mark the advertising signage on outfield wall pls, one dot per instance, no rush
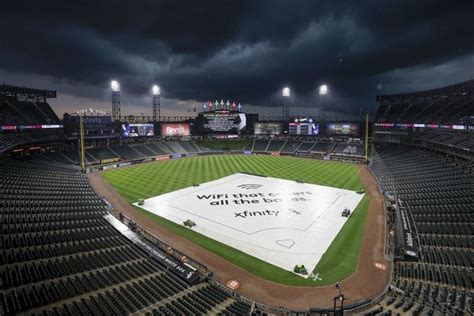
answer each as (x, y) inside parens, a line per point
(109, 160)
(175, 130)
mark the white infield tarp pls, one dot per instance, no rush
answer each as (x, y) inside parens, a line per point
(279, 221)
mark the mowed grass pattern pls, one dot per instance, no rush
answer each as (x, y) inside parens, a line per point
(152, 179)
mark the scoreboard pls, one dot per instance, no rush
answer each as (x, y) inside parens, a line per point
(221, 122)
(303, 128)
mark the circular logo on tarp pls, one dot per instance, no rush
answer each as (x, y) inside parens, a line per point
(250, 186)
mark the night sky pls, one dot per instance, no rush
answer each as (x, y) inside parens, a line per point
(245, 51)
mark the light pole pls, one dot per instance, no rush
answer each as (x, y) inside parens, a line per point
(156, 92)
(286, 93)
(115, 86)
(322, 92)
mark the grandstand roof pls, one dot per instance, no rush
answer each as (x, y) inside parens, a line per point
(462, 88)
(28, 93)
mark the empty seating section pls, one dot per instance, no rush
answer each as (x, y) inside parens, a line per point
(61, 158)
(440, 197)
(127, 152)
(276, 145)
(449, 105)
(290, 147)
(349, 149)
(305, 146)
(14, 112)
(5, 143)
(237, 308)
(175, 147)
(156, 149)
(8, 114)
(71, 155)
(59, 256)
(29, 112)
(457, 140)
(322, 147)
(204, 300)
(248, 146)
(101, 153)
(260, 145)
(164, 148)
(144, 150)
(295, 146)
(131, 151)
(51, 159)
(189, 146)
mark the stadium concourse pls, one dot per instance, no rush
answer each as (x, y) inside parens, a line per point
(64, 253)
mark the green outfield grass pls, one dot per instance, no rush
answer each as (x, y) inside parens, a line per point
(148, 180)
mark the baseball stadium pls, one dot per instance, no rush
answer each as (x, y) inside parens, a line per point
(247, 224)
(229, 209)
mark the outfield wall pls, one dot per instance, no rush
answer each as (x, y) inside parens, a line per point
(344, 158)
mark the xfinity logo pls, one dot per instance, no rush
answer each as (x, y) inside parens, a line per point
(409, 240)
(257, 213)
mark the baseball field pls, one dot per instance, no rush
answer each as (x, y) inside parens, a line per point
(154, 179)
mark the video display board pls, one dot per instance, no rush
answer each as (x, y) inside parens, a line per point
(351, 129)
(267, 128)
(28, 127)
(136, 130)
(221, 122)
(175, 130)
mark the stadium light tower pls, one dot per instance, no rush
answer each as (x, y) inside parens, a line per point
(323, 89)
(156, 92)
(286, 93)
(115, 86)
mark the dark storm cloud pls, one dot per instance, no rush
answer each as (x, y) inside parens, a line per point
(245, 50)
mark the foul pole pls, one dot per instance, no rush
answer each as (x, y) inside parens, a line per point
(366, 137)
(81, 135)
